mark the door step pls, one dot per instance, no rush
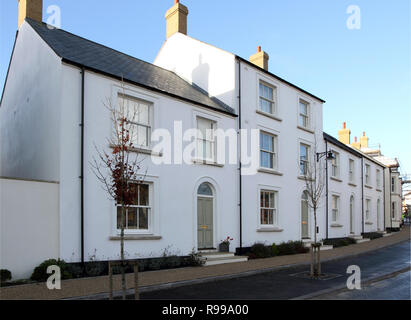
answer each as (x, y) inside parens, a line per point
(356, 237)
(362, 240)
(214, 258)
(307, 244)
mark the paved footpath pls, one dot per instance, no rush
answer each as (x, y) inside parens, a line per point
(154, 280)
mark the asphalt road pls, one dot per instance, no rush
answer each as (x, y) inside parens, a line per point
(283, 284)
(396, 287)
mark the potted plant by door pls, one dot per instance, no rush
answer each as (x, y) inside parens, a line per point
(225, 245)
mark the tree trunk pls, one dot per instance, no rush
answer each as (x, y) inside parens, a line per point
(123, 273)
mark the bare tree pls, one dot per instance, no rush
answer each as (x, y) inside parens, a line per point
(314, 185)
(118, 170)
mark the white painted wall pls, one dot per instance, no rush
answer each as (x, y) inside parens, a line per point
(197, 62)
(29, 225)
(30, 113)
(289, 136)
(174, 186)
(343, 188)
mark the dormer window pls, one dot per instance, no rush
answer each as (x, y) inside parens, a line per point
(267, 98)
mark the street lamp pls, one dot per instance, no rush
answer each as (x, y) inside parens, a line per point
(328, 154)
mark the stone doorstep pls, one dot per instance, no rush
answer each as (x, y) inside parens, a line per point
(356, 237)
(216, 255)
(233, 259)
(362, 240)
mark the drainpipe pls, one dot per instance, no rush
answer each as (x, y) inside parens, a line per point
(326, 192)
(82, 164)
(391, 199)
(362, 193)
(240, 163)
(383, 188)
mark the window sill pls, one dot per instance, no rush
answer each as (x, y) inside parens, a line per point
(335, 179)
(207, 162)
(367, 186)
(352, 184)
(270, 229)
(368, 222)
(143, 151)
(269, 115)
(305, 129)
(270, 171)
(336, 225)
(136, 237)
(304, 178)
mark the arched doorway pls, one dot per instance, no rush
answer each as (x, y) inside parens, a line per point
(205, 214)
(305, 225)
(352, 226)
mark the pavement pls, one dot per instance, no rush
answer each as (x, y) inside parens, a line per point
(97, 288)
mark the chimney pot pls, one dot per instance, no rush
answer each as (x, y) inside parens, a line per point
(259, 49)
(344, 125)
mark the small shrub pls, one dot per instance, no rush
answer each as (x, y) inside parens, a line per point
(339, 242)
(372, 235)
(259, 250)
(274, 250)
(95, 269)
(5, 275)
(40, 272)
(195, 260)
(291, 247)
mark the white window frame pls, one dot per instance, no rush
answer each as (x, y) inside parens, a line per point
(150, 218)
(335, 165)
(305, 118)
(147, 126)
(212, 141)
(351, 170)
(367, 174)
(307, 161)
(335, 208)
(274, 153)
(378, 178)
(273, 102)
(275, 217)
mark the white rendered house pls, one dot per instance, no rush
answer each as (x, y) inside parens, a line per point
(52, 115)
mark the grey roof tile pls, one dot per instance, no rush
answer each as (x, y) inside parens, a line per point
(97, 57)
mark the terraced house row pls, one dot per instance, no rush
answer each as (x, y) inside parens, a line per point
(52, 115)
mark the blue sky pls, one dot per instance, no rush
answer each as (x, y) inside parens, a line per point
(364, 75)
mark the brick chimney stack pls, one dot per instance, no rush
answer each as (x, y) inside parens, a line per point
(32, 9)
(176, 18)
(260, 59)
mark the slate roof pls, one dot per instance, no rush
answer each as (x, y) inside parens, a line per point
(350, 149)
(82, 52)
